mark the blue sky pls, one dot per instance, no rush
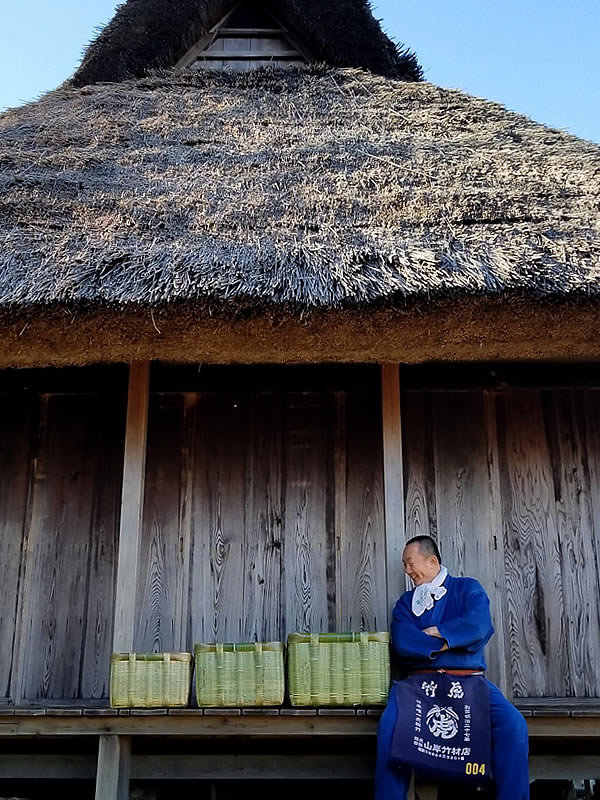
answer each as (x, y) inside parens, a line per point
(539, 57)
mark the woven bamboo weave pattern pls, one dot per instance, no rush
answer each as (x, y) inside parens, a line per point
(338, 669)
(155, 680)
(238, 675)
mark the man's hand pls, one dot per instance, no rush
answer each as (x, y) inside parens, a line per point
(433, 631)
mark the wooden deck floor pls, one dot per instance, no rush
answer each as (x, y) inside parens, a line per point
(548, 719)
(192, 744)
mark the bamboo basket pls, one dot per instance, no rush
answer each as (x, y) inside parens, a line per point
(239, 675)
(154, 680)
(339, 669)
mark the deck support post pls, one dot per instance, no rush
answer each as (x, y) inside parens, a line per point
(393, 479)
(114, 768)
(132, 506)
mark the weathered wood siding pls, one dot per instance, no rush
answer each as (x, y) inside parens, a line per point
(261, 51)
(264, 513)
(243, 520)
(508, 484)
(59, 498)
(548, 444)
(17, 416)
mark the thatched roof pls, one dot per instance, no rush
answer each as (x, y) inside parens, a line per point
(147, 35)
(291, 189)
(475, 329)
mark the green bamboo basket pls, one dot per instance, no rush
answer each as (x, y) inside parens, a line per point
(339, 669)
(150, 680)
(239, 675)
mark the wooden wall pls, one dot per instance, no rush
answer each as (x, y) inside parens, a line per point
(264, 513)
(60, 475)
(508, 482)
(263, 516)
(549, 448)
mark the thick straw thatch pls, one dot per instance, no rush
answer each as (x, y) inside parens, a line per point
(148, 35)
(297, 190)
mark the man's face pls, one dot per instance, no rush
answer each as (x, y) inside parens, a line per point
(419, 567)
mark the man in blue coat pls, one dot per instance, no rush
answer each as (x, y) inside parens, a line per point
(461, 610)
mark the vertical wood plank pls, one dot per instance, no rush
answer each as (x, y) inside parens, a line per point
(27, 598)
(576, 539)
(67, 614)
(591, 412)
(219, 512)
(305, 520)
(183, 610)
(99, 614)
(340, 500)
(217, 46)
(18, 414)
(364, 555)
(418, 467)
(417, 426)
(236, 44)
(535, 595)
(261, 610)
(114, 767)
(500, 656)
(132, 500)
(393, 480)
(159, 621)
(59, 541)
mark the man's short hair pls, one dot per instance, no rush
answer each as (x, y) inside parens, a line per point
(427, 546)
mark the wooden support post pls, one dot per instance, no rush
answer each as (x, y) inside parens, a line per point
(501, 642)
(132, 504)
(114, 768)
(341, 501)
(393, 479)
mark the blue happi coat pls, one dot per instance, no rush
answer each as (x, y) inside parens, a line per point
(463, 619)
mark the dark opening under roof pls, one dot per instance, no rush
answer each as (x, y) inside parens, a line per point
(146, 35)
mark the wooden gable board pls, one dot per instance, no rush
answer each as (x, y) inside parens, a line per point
(246, 37)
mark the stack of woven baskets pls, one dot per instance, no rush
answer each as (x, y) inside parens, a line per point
(327, 669)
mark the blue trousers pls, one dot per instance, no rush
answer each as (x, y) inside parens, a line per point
(510, 746)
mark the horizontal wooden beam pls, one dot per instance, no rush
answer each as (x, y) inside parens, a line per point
(564, 767)
(247, 55)
(193, 767)
(254, 767)
(21, 766)
(558, 706)
(251, 32)
(223, 724)
(189, 725)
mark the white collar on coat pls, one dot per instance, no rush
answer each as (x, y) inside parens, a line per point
(426, 594)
